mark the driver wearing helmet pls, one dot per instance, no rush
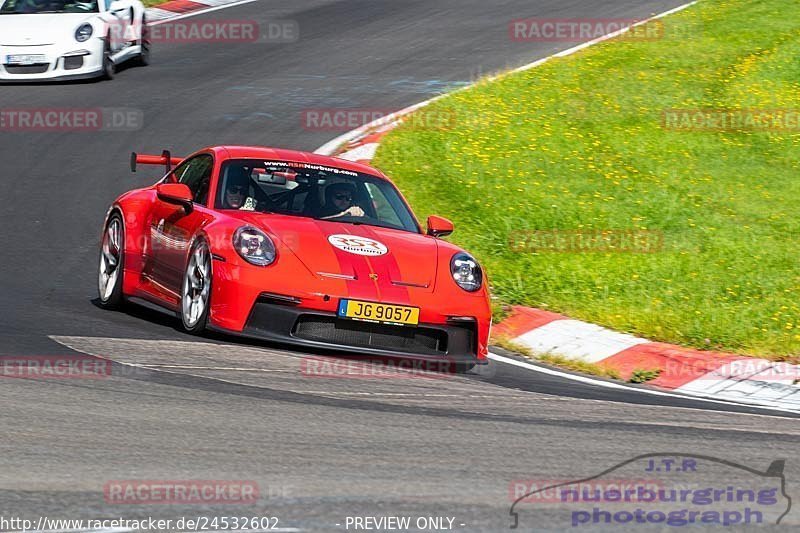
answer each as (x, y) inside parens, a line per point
(339, 201)
(237, 189)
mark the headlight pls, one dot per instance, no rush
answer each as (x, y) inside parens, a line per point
(83, 32)
(466, 272)
(254, 246)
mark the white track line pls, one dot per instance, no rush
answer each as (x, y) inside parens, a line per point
(618, 386)
(219, 368)
(330, 147)
(698, 397)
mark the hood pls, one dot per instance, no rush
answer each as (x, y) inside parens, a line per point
(358, 253)
(44, 29)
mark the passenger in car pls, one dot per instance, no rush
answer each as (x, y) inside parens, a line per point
(237, 190)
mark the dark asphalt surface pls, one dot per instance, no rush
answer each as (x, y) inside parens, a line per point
(320, 449)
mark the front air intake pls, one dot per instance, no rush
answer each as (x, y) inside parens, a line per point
(423, 341)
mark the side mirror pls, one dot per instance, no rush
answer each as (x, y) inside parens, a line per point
(439, 227)
(116, 5)
(175, 193)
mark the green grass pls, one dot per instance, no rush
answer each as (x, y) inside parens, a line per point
(643, 376)
(578, 144)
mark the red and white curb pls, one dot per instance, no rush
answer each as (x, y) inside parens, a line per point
(706, 374)
(723, 376)
(184, 8)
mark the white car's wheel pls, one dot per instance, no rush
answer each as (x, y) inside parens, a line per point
(112, 258)
(144, 43)
(196, 289)
(109, 68)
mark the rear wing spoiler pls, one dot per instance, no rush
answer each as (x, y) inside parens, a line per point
(165, 159)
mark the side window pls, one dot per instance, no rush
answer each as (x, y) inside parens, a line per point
(177, 172)
(196, 173)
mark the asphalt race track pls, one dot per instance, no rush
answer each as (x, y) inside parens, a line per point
(320, 449)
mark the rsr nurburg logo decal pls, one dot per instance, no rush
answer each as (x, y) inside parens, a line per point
(358, 245)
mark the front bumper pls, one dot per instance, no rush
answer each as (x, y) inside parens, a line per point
(81, 61)
(454, 344)
(281, 304)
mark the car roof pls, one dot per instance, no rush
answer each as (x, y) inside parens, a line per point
(282, 154)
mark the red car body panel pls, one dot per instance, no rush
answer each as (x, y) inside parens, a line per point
(308, 269)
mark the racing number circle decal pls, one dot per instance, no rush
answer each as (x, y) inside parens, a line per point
(358, 245)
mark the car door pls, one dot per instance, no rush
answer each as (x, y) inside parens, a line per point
(172, 228)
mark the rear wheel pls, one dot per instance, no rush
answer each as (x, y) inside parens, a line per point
(112, 257)
(196, 289)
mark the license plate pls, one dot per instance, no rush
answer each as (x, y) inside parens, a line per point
(375, 312)
(25, 59)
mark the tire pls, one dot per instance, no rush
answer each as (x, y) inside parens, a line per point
(109, 68)
(112, 264)
(143, 59)
(196, 289)
(463, 368)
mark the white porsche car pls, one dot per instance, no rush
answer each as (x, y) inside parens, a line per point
(70, 39)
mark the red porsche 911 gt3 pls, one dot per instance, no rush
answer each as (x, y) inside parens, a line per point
(296, 248)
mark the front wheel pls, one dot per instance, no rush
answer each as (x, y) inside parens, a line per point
(463, 368)
(109, 68)
(144, 42)
(196, 289)
(112, 257)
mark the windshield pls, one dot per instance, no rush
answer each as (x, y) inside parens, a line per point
(48, 6)
(314, 191)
